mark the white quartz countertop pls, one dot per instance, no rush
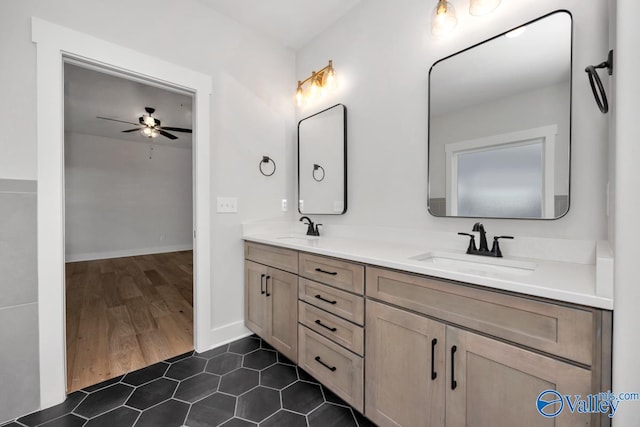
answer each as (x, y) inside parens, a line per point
(561, 281)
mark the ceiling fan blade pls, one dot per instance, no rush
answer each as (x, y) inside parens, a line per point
(131, 130)
(176, 129)
(167, 134)
(115, 120)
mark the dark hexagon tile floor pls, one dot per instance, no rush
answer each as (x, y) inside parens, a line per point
(242, 384)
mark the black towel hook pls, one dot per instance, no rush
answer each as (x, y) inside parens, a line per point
(594, 80)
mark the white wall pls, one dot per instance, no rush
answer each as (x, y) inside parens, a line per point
(121, 202)
(626, 341)
(382, 52)
(528, 110)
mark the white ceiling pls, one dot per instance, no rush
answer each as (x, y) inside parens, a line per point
(90, 94)
(291, 22)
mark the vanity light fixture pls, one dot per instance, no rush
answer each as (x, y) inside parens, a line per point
(319, 81)
(482, 7)
(443, 18)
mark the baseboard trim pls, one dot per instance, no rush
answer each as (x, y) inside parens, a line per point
(91, 256)
(226, 334)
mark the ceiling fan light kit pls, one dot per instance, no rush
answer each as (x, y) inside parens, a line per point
(150, 126)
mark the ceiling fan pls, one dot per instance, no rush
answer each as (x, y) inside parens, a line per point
(149, 126)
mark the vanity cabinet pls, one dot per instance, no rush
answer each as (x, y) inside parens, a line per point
(271, 300)
(413, 350)
(423, 372)
(426, 367)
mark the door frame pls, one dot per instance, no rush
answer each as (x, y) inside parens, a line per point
(54, 44)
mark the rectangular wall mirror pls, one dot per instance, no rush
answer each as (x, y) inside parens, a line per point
(500, 125)
(322, 162)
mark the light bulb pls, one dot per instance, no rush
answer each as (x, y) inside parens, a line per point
(149, 121)
(330, 77)
(146, 132)
(315, 88)
(482, 7)
(299, 95)
(154, 133)
(443, 19)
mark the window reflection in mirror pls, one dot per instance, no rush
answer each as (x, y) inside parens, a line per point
(500, 125)
(322, 167)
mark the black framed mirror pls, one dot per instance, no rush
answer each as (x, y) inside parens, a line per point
(500, 125)
(322, 162)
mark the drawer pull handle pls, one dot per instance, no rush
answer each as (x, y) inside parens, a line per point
(331, 368)
(333, 273)
(326, 300)
(325, 326)
(434, 374)
(454, 383)
(266, 285)
(262, 276)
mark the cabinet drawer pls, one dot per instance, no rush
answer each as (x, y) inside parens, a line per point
(338, 369)
(564, 331)
(333, 327)
(340, 303)
(284, 259)
(341, 274)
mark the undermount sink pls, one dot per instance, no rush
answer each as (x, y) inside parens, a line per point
(296, 238)
(476, 263)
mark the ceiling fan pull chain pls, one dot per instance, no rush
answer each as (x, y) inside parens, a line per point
(150, 151)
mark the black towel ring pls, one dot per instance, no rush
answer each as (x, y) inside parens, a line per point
(266, 159)
(594, 80)
(317, 167)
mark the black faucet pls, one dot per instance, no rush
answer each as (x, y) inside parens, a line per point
(477, 227)
(484, 248)
(311, 229)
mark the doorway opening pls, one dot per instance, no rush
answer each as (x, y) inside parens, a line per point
(128, 224)
(56, 44)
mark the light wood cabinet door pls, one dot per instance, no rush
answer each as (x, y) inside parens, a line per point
(498, 384)
(255, 303)
(282, 306)
(405, 368)
(271, 306)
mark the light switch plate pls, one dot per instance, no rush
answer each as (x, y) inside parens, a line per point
(227, 204)
(284, 205)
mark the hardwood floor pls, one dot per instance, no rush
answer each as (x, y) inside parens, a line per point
(126, 313)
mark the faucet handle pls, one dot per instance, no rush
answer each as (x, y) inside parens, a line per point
(495, 249)
(472, 242)
(318, 229)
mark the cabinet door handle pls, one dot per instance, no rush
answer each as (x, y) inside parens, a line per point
(325, 326)
(326, 300)
(262, 283)
(333, 273)
(266, 285)
(434, 374)
(454, 383)
(331, 368)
